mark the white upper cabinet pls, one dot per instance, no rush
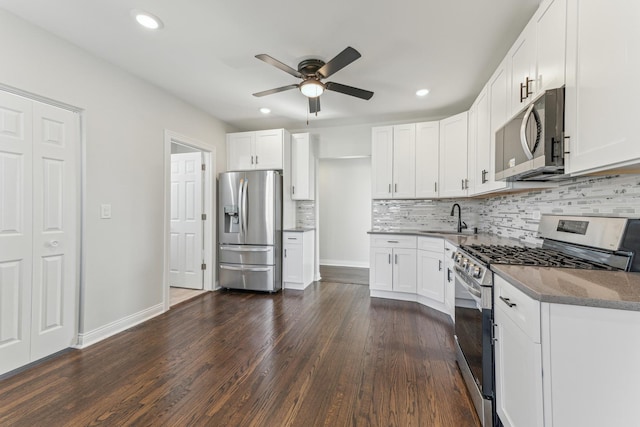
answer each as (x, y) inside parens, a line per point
(453, 156)
(537, 58)
(302, 167)
(240, 148)
(522, 76)
(551, 24)
(603, 59)
(393, 161)
(256, 150)
(427, 159)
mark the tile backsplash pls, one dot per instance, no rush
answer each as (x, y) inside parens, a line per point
(306, 214)
(512, 215)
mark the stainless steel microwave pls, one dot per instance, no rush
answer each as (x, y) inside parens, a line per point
(531, 146)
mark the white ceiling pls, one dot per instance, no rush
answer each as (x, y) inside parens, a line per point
(205, 53)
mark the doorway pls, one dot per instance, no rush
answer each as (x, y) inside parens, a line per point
(189, 192)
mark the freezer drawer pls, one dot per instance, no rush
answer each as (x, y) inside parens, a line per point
(253, 277)
(244, 254)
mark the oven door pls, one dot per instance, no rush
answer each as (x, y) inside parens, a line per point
(473, 328)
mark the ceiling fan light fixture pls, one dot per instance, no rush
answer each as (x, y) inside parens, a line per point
(311, 88)
(147, 20)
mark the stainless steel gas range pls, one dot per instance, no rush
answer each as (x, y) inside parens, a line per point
(596, 243)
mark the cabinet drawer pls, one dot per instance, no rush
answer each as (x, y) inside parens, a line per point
(291, 238)
(519, 307)
(393, 241)
(434, 244)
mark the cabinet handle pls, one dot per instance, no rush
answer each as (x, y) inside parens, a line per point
(389, 188)
(285, 253)
(293, 189)
(566, 145)
(396, 259)
(435, 187)
(389, 258)
(395, 188)
(484, 176)
(448, 275)
(522, 97)
(527, 90)
(439, 265)
(466, 184)
(251, 159)
(256, 159)
(462, 184)
(392, 241)
(508, 301)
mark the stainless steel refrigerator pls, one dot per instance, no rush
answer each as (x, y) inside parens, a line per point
(250, 230)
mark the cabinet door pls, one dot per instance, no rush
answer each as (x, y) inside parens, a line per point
(551, 31)
(240, 151)
(301, 170)
(269, 149)
(431, 275)
(453, 156)
(427, 159)
(499, 96)
(522, 60)
(381, 162)
(603, 59)
(404, 270)
(472, 147)
(449, 281)
(404, 161)
(518, 374)
(381, 269)
(292, 264)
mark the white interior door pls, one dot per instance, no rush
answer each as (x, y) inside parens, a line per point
(15, 230)
(38, 230)
(186, 221)
(53, 314)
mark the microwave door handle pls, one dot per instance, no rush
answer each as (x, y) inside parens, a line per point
(526, 147)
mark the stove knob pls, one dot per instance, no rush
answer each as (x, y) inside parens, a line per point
(465, 262)
(477, 272)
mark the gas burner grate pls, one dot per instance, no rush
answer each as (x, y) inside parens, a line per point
(539, 257)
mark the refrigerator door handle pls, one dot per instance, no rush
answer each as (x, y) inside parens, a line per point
(257, 269)
(240, 207)
(244, 205)
(243, 249)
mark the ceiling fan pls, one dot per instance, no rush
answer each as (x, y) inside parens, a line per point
(312, 71)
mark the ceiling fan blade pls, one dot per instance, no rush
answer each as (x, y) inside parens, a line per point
(314, 105)
(341, 60)
(276, 90)
(349, 90)
(284, 67)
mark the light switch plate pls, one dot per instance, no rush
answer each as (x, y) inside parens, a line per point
(105, 211)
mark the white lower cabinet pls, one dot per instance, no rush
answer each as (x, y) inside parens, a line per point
(298, 259)
(431, 269)
(518, 357)
(449, 279)
(412, 268)
(393, 263)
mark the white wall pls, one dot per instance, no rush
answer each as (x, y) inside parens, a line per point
(342, 141)
(124, 122)
(345, 211)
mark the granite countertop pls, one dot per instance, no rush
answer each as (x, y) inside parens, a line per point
(298, 229)
(464, 238)
(592, 288)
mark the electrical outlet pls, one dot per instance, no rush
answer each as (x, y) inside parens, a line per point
(105, 211)
(536, 214)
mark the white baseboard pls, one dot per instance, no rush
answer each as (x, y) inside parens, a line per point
(88, 338)
(400, 296)
(296, 285)
(343, 263)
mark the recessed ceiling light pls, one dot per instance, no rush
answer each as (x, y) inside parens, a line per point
(147, 20)
(265, 110)
(422, 92)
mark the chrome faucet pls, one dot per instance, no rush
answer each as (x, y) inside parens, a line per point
(461, 224)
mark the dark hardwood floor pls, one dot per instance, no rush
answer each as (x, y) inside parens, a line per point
(326, 356)
(354, 275)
